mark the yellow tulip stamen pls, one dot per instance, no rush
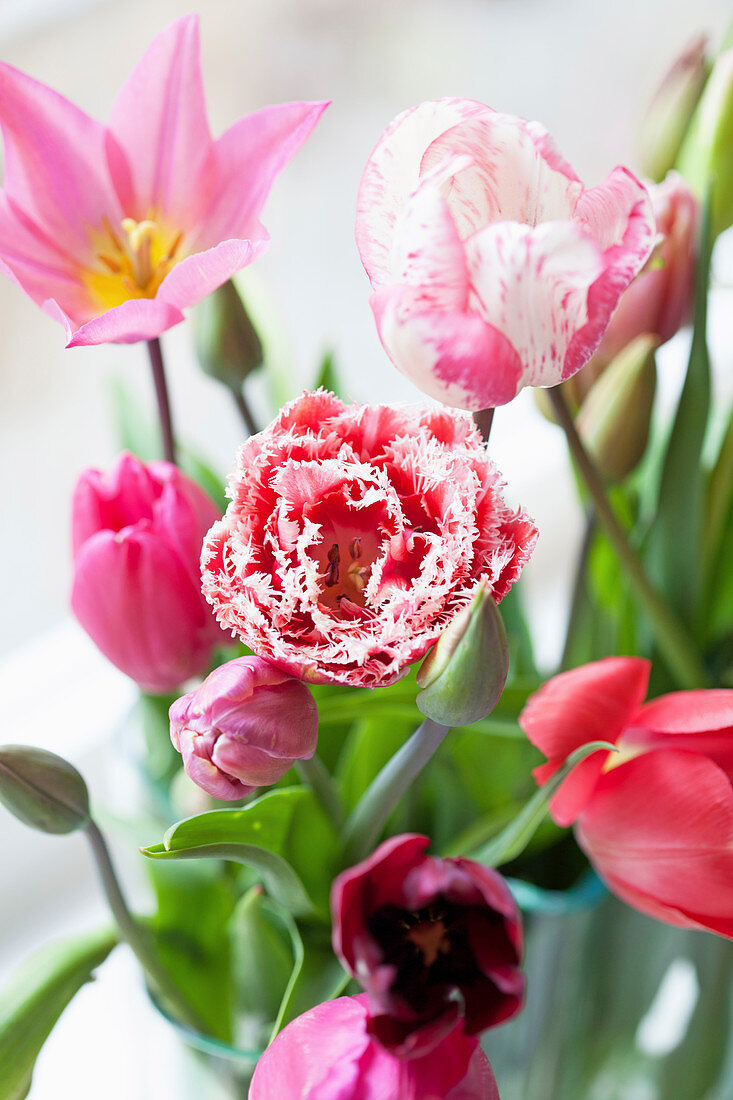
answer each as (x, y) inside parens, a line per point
(132, 259)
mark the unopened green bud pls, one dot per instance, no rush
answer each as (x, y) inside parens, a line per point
(227, 345)
(463, 675)
(614, 419)
(42, 790)
(668, 116)
(706, 157)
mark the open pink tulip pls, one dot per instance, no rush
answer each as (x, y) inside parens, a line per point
(655, 818)
(326, 1054)
(114, 230)
(137, 589)
(244, 727)
(493, 268)
(355, 534)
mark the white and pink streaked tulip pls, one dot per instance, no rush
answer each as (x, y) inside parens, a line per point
(114, 230)
(493, 267)
(356, 534)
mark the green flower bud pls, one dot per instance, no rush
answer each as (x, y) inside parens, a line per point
(668, 116)
(463, 675)
(706, 157)
(227, 345)
(42, 790)
(614, 418)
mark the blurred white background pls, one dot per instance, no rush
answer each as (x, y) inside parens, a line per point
(584, 68)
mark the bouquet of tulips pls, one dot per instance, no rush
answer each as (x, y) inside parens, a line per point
(363, 796)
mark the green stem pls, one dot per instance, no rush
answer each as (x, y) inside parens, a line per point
(161, 394)
(576, 601)
(673, 641)
(367, 820)
(244, 411)
(315, 775)
(136, 936)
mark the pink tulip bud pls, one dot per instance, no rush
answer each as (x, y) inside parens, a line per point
(137, 536)
(659, 301)
(244, 727)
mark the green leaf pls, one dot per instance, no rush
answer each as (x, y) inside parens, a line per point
(194, 907)
(675, 547)
(328, 375)
(716, 610)
(284, 835)
(512, 841)
(34, 998)
(265, 946)
(521, 652)
(371, 743)
(317, 976)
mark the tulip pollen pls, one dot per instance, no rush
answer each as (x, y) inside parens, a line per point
(346, 575)
(132, 259)
(431, 938)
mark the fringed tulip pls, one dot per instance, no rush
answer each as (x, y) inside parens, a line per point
(656, 817)
(137, 536)
(354, 536)
(430, 940)
(114, 230)
(244, 727)
(493, 268)
(327, 1054)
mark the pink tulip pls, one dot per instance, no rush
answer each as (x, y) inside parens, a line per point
(659, 301)
(430, 940)
(326, 1054)
(137, 590)
(655, 818)
(244, 727)
(493, 268)
(355, 535)
(114, 230)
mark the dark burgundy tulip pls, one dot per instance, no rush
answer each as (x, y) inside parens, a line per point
(429, 940)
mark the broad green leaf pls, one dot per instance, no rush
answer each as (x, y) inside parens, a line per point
(372, 742)
(194, 906)
(284, 835)
(265, 946)
(512, 841)
(317, 976)
(34, 998)
(675, 546)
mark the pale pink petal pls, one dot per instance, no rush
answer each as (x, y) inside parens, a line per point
(136, 319)
(454, 356)
(532, 285)
(662, 824)
(55, 162)
(393, 172)
(517, 173)
(198, 275)
(245, 161)
(159, 120)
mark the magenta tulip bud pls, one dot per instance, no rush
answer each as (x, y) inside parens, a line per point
(137, 586)
(244, 727)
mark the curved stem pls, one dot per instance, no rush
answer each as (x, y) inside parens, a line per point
(136, 936)
(364, 825)
(245, 412)
(578, 585)
(161, 394)
(483, 421)
(315, 775)
(672, 638)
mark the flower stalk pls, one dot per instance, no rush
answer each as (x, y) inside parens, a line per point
(161, 394)
(315, 775)
(672, 638)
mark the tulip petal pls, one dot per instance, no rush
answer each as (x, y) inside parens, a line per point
(159, 121)
(248, 157)
(136, 319)
(516, 173)
(56, 167)
(532, 284)
(428, 253)
(392, 173)
(661, 826)
(683, 712)
(454, 356)
(198, 275)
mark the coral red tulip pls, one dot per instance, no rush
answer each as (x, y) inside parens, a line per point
(355, 534)
(115, 230)
(655, 818)
(244, 727)
(493, 268)
(430, 940)
(137, 590)
(327, 1054)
